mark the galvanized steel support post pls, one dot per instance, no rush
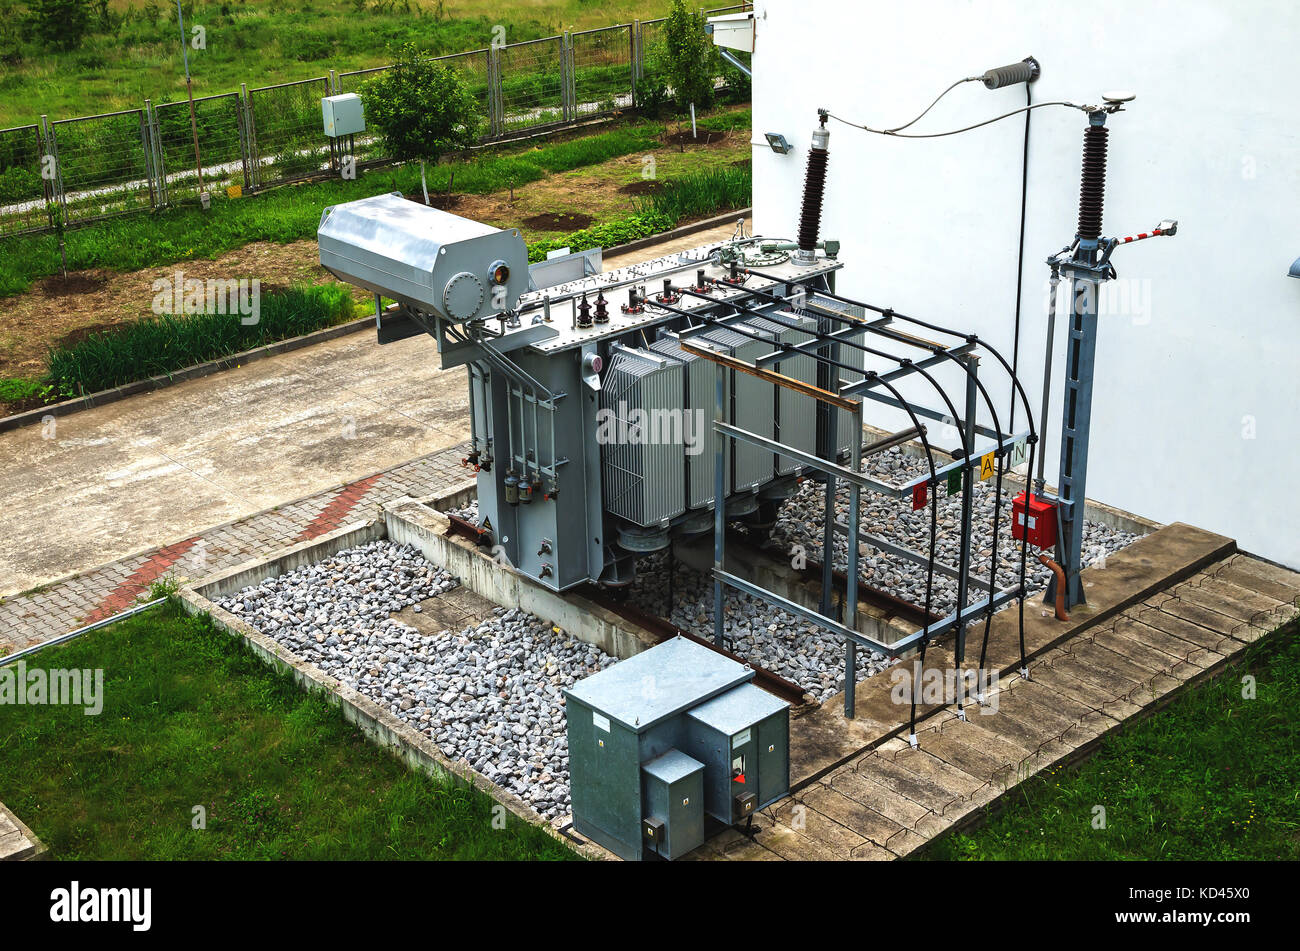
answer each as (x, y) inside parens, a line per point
(851, 586)
(972, 362)
(719, 502)
(1080, 362)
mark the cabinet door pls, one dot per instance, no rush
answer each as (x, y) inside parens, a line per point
(773, 759)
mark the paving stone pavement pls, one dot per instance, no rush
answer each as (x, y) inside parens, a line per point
(36, 616)
(891, 800)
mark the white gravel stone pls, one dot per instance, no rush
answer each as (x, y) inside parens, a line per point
(489, 695)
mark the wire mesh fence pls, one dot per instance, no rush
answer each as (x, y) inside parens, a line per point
(218, 124)
(26, 197)
(531, 83)
(602, 70)
(475, 73)
(103, 165)
(78, 170)
(366, 148)
(288, 136)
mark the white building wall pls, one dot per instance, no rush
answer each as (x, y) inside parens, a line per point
(1196, 414)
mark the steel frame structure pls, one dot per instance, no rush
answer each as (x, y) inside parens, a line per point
(850, 397)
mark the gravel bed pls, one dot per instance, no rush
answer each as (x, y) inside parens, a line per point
(489, 695)
(800, 524)
(802, 652)
(782, 642)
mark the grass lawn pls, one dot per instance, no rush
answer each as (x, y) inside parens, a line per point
(554, 191)
(191, 717)
(136, 54)
(1213, 776)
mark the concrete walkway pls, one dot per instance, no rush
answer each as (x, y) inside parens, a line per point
(890, 800)
(119, 495)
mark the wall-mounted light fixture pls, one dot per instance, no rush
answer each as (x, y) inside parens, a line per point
(777, 142)
(1295, 269)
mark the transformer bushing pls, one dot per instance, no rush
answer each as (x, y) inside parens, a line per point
(814, 192)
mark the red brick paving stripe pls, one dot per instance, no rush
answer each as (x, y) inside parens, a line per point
(338, 508)
(149, 571)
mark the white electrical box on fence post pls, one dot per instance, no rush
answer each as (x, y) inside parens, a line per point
(343, 115)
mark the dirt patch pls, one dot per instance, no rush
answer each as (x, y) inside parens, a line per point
(572, 221)
(58, 309)
(643, 187)
(81, 333)
(14, 407)
(702, 138)
(440, 200)
(32, 322)
(78, 282)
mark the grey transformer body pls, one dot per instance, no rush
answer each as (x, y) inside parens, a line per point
(591, 428)
(666, 738)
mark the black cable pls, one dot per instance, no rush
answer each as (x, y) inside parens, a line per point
(1020, 261)
(900, 128)
(939, 135)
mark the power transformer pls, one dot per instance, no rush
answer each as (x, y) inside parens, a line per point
(591, 426)
(665, 738)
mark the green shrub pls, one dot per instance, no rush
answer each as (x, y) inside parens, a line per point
(702, 193)
(14, 390)
(170, 342)
(687, 59)
(640, 225)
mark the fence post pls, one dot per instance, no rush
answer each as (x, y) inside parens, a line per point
(48, 185)
(570, 96)
(496, 107)
(632, 59)
(241, 125)
(254, 171)
(573, 80)
(53, 141)
(156, 157)
(335, 146)
(150, 145)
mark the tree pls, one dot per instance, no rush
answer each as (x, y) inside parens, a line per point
(421, 109)
(62, 24)
(687, 59)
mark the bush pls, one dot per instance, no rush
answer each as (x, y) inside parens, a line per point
(170, 342)
(687, 59)
(62, 24)
(702, 193)
(14, 390)
(420, 108)
(20, 184)
(640, 225)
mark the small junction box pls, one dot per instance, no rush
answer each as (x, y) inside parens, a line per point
(645, 770)
(342, 115)
(1041, 518)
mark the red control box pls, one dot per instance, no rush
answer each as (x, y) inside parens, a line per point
(1042, 521)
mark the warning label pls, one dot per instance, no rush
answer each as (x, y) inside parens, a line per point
(986, 466)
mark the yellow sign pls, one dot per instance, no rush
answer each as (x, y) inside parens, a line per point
(986, 466)
(234, 191)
